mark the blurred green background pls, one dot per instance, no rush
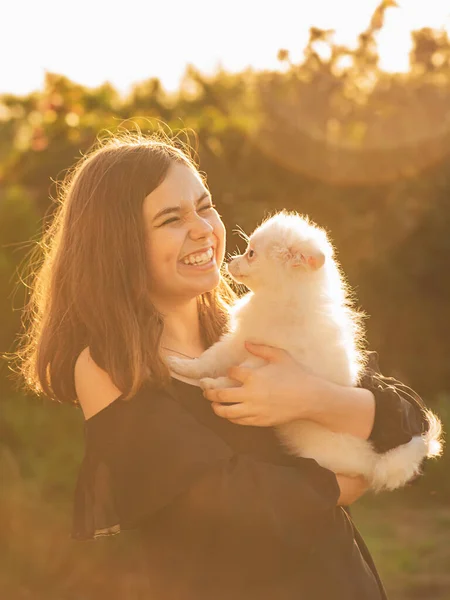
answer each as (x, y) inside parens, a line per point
(365, 154)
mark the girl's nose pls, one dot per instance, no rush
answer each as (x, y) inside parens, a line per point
(200, 228)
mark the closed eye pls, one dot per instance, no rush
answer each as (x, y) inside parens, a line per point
(170, 221)
(174, 219)
(208, 207)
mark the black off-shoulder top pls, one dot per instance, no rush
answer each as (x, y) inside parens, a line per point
(224, 512)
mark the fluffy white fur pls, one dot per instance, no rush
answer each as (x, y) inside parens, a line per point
(299, 301)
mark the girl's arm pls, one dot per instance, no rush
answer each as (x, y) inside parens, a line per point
(343, 409)
(400, 413)
(351, 489)
(381, 409)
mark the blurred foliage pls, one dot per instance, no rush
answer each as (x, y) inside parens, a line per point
(365, 153)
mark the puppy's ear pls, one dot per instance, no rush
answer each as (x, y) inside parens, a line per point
(313, 260)
(293, 257)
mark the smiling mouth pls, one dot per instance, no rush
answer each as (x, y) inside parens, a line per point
(200, 259)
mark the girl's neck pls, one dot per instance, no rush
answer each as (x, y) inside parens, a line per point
(182, 331)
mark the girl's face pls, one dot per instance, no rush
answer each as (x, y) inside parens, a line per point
(185, 237)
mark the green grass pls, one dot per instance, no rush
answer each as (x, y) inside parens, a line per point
(410, 545)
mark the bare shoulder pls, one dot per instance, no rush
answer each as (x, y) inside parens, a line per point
(93, 385)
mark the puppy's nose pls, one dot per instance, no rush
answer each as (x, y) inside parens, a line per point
(233, 267)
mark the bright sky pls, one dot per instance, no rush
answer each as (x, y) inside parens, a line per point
(92, 41)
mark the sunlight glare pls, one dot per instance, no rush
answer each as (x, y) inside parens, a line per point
(235, 36)
(395, 41)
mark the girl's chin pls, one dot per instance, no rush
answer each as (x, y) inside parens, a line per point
(204, 282)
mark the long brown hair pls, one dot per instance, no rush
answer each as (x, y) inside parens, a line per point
(91, 288)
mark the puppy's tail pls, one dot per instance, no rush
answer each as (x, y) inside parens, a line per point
(395, 468)
(433, 436)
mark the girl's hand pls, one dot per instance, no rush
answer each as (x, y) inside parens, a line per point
(276, 393)
(352, 488)
(283, 391)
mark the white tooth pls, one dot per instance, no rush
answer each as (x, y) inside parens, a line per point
(199, 258)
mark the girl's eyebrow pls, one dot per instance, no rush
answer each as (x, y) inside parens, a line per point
(177, 209)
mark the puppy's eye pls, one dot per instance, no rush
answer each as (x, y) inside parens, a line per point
(251, 253)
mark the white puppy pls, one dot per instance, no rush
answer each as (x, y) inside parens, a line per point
(299, 302)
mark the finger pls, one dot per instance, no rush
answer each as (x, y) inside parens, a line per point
(248, 421)
(211, 395)
(239, 373)
(218, 396)
(231, 411)
(269, 353)
(226, 395)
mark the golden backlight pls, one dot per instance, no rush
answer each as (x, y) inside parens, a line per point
(92, 42)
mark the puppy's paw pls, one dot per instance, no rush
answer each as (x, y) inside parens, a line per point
(208, 383)
(184, 366)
